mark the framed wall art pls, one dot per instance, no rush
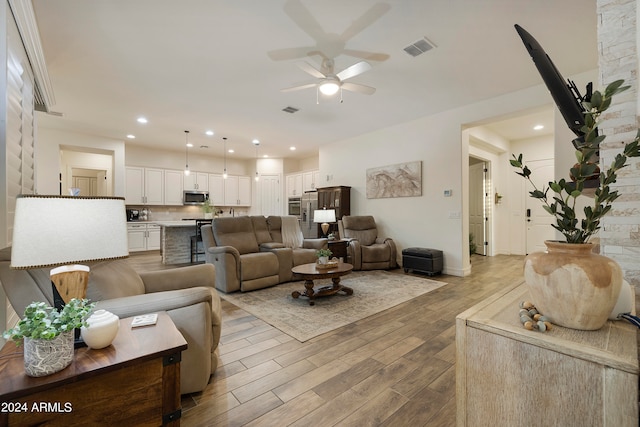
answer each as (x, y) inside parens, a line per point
(399, 180)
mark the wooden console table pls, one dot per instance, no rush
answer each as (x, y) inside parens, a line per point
(507, 375)
(134, 381)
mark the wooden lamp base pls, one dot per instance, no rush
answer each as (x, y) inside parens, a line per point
(70, 281)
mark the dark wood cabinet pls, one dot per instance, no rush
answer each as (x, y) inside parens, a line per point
(338, 198)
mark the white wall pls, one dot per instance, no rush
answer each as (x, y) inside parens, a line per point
(436, 141)
(198, 162)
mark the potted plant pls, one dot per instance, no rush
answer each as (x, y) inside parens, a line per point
(323, 255)
(207, 209)
(48, 335)
(569, 283)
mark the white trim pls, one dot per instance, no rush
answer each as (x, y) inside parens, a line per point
(24, 15)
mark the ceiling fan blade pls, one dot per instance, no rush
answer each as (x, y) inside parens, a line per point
(304, 19)
(356, 87)
(372, 56)
(369, 17)
(298, 87)
(353, 70)
(289, 53)
(310, 69)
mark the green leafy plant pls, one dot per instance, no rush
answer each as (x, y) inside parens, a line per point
(42, 321)
(323, 252)
(472, 244)
(207, 207)
(559, 197)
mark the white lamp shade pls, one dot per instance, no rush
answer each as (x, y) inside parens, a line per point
(55, 230)
(324, 215)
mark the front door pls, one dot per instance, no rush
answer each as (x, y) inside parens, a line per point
(538, 221)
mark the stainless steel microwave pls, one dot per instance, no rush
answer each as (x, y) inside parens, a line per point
(194, 197)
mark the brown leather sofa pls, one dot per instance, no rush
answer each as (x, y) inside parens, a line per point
(365, 249)
(249, 253)
(187, 294)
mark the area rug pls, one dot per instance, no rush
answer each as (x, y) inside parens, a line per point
(373, 292)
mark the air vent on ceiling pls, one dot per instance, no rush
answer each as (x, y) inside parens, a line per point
(419, 47)
(290, 110)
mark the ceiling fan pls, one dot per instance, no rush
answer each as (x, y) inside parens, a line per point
(329, 82)
(329, 45)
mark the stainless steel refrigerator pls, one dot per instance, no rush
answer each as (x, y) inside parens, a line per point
(309, 204)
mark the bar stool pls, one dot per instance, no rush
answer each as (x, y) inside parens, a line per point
(195, 251)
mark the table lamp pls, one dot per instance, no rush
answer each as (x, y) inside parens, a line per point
(61, 231)
(324, 216)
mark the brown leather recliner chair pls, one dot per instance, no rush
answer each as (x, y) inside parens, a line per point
(365, 250)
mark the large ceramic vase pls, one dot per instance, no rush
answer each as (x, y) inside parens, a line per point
(44, 357)
(573, 286)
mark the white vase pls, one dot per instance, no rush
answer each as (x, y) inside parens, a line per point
(45, 357)
(323, 260)
(102, 330)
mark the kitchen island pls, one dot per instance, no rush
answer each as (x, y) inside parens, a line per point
(175, 241)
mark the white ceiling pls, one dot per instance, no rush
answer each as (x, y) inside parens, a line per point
(216, 64)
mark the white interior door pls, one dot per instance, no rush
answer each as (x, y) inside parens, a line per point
(270, 190)
(477, 216)
(538, 221)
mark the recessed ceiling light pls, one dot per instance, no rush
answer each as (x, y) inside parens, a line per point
(265, 156)
(209, 132)
(142, 120)
(538, 127)
(255, 142)
(130, 136)
(292, 148)
(231, 150)
(189, 145)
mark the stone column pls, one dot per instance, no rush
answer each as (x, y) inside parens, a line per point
(618, 59)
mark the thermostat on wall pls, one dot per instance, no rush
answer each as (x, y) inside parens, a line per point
(447, 193)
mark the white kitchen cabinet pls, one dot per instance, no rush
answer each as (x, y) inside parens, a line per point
(198, 181)
(173, 187)
(144, 186)
(294, 185)
(154, 186)
(237, 191)
(216, 189)
(310, 180)
(153, 237)
(134, 186)
(143, 237)
(244, 191)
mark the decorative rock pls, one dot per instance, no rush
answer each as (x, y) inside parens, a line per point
(531, 319)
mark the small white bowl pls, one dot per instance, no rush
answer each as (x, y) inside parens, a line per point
(102, 330)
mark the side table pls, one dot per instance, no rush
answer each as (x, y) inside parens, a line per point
(507, 375)
(134, 381)
(338, 248)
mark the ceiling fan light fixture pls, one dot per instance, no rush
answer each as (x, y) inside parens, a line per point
(329, 88)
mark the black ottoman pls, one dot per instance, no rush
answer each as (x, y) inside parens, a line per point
(422, 259)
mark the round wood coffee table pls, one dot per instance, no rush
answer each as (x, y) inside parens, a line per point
(310, 272)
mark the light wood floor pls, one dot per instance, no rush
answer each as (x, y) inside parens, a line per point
(396, 368)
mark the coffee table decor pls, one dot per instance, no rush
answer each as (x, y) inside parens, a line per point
(332, 263)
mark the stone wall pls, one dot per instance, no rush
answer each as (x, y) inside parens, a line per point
(618, 59)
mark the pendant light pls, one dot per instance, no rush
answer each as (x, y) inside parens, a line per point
(224, 174)
(186, 168)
